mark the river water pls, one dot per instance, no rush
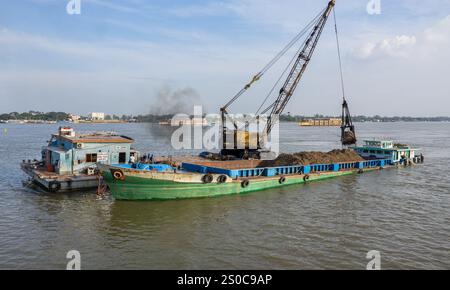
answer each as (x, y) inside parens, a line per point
(402, 213)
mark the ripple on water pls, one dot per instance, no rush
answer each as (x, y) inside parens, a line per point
(403, 213)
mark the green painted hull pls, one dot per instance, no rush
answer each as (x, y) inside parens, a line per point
(146, 187)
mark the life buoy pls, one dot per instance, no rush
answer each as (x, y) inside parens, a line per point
(282, 180)
(54, 186)
(245, 183)
(222, 179)
(306, 178)
(208, 178)
(118, 175)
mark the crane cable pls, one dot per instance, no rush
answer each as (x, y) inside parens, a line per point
(258, 76)
(291, 43)
(346, 117)
(340, 68)
(289, 65)
(339, 54)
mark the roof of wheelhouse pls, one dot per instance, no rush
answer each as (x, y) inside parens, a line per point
(100, 137)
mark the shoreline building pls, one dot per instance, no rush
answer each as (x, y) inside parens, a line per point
(321, 122)
(95, 116)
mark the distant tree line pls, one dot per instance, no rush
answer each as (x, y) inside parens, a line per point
(151, 118)
(400, 119)
(34, 115)
(376, 118)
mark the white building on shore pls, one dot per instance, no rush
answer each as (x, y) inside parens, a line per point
(74, 118)
(97, 116)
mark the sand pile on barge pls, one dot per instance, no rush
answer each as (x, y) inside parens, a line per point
(307, 158)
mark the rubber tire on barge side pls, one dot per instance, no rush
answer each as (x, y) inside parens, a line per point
(245, 183)
(118, 174)
(207, 178)
(222, 179)
(54, 186)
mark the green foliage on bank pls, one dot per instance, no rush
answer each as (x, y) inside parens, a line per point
(34, 115)
(151, 118)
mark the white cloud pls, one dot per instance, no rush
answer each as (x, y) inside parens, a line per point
(398, 46)
(433, 39)
(439, 34)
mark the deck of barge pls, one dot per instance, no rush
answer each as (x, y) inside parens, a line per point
(51, 181)
(251, 168)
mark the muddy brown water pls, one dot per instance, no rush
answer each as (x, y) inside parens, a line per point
(403, 213)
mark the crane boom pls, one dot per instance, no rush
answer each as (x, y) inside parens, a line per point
(298, 69)
(286, 92)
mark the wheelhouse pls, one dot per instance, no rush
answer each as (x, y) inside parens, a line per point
(70, 153)
(386, 149)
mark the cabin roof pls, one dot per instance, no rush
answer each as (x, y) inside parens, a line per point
(388, 149)
(96, 138)
(56, 149)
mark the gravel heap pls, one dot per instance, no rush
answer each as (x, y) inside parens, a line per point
(307, 158)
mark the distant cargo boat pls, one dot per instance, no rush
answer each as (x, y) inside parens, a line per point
(69, 161)
(100, 122)
(321, 122)
(204, 178)
(185, 122)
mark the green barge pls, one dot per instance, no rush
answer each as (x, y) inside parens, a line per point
(141, 185)
(206, 178)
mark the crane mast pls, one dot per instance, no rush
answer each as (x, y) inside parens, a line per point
(298, 69)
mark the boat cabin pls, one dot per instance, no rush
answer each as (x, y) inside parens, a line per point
(386, 149)
(71, 153)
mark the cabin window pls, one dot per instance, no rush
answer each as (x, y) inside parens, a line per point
(91, 158)
(366, 151)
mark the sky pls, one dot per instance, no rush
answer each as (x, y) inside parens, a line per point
(122, 57)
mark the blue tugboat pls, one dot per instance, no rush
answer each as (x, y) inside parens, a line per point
(399, 154)
(69, 161)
